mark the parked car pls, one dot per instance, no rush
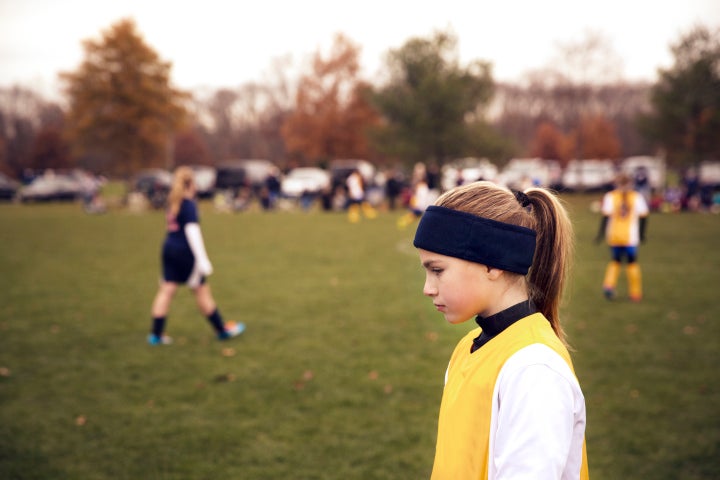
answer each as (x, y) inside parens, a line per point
(59, 186)
(235, 174)
(653, 166)
(154, 184)
(341, 169)
(467, 170)
(8, 187)
(204, 180)
(709, 174)
(301, 180)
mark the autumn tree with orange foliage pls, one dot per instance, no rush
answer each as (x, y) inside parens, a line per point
(550, 143)
(50, 150)
(331, 113)
(598, 138)
(191, 149)
(123, 112)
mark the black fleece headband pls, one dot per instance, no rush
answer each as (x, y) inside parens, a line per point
(476, 239)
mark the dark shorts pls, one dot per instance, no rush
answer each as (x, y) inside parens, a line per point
(618, 253)
(177, 263)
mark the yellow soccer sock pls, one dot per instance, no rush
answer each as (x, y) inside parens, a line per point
(405, 220)
(634, 282)
(354, 213)
(610, 281)
(368, 210)
(611, 275)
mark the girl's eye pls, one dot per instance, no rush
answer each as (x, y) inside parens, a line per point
(436, 271)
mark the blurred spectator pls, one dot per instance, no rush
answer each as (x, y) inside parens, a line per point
(641, 182)
(656, 200)
(272, 189)
(393, 187)
(706, 197)
(326, 198)
(307, 198)
(433, 178)
(420, 198)
(691, 184)
(357, 201)
(93, 203)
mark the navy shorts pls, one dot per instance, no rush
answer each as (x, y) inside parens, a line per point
(177, 263)
(618, 253)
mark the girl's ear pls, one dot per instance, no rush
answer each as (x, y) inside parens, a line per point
(493, 273)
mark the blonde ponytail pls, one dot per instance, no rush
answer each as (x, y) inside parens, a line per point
(553, 255)
(182, 181)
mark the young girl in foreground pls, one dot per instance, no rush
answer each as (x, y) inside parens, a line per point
(512, 406)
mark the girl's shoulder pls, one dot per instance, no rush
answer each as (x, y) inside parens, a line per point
(188, 210)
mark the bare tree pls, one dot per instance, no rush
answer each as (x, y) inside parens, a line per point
(583, 83)
(30, 130)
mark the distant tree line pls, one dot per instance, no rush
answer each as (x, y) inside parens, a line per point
(120, 112)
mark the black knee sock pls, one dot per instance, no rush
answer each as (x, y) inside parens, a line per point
(158, 326)
(216, 321)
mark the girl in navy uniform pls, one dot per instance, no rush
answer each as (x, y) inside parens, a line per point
(512, 406)
(185, 261)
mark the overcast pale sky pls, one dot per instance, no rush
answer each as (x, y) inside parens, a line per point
(216, 43)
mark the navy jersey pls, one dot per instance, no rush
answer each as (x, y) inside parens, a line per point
(177, 257)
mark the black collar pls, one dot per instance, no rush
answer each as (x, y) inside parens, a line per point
(494, 324)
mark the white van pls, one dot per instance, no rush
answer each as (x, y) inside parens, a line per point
(467, 170)
(588, 175)
(709, 174)
(521, 173)
(654, 166)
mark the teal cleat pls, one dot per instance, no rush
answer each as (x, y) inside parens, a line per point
(159, 340)
(232, 329)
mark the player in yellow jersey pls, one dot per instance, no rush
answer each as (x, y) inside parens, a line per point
(419, 199)
(512, 406)
(357, 201)
(623, 225)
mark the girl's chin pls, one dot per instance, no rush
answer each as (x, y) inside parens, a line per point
(455, 320)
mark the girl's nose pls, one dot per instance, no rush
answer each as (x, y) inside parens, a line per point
(429, 289)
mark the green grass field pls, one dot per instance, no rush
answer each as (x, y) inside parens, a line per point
(340, 372)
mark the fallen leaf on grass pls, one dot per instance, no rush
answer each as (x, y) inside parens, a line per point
(80, 420)
(431, 336)
(224, 377)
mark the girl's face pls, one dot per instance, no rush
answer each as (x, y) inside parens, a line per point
(458, 288)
